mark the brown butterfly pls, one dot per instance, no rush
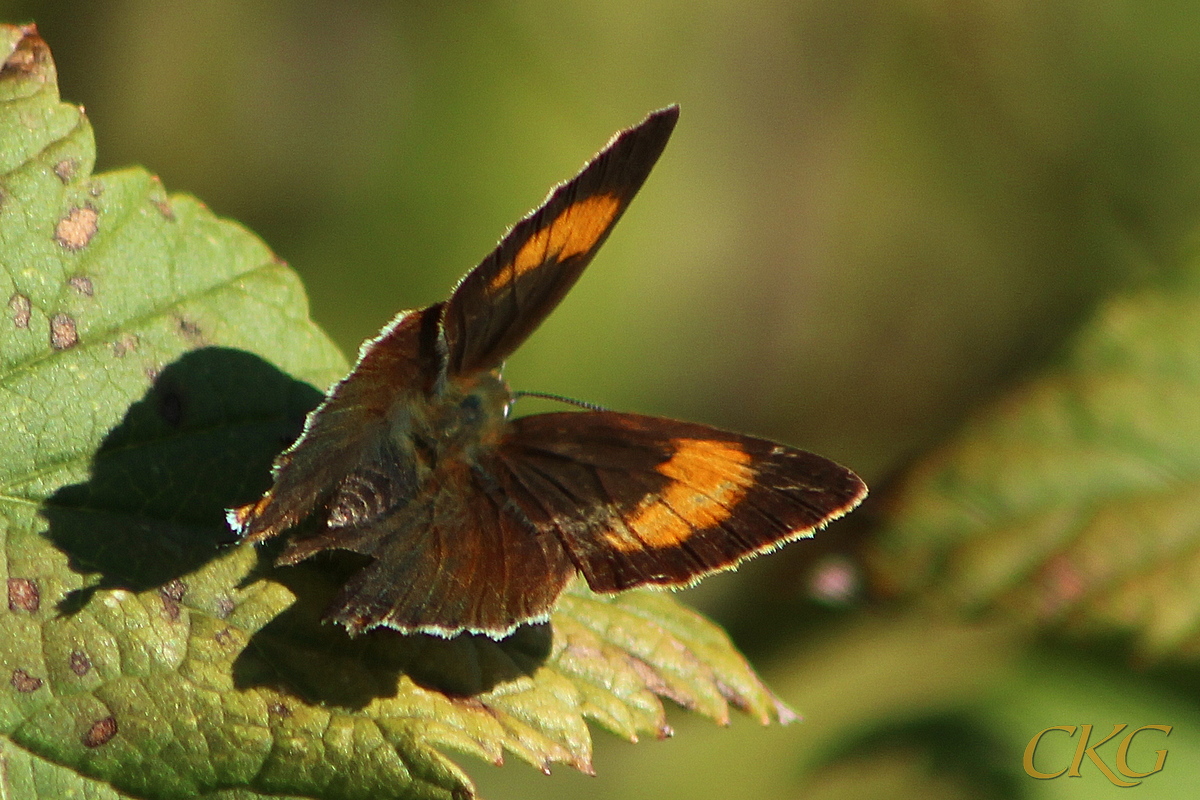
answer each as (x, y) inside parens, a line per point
(476, 521)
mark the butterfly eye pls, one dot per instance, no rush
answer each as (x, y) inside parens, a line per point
(470, 414)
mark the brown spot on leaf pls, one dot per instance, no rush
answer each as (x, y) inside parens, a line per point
(174, 589)
(128, 343)
(21, 309)
(30, 53)
(83, 285)
(95, 188)
(170, 609)
(225, 607)
(223, 637)
(66, 169)
(190, 329)
(281, 710)
(77, 228)
(172, 593)
(162, 203)
(80, 663)
(101, 732)
(23, 595)
(62, 332)
(23, 682)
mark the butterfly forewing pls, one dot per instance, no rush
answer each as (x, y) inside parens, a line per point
(644, 500)
(500, 302)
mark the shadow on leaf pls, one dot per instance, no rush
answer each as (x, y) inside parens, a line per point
(202, 438)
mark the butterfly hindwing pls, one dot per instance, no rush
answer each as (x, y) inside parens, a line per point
(643, 500)
(454, 558)
(500, 302)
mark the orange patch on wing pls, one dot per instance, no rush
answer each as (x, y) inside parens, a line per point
(573, 232)
(708, 479)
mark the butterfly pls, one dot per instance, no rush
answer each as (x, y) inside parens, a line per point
(475, 521)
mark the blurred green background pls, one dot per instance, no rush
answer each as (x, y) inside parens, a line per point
(872, 215)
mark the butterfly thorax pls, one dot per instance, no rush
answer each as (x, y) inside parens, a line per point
(460, 419)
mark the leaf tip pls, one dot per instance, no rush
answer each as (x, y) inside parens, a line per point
(27, 51)
(784, 713)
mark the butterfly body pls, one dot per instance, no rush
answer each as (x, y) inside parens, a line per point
(474, 521)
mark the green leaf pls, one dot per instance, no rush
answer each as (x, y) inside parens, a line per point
(153, 360)
(1074, 501)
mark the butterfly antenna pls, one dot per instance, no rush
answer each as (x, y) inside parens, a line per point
(568, 400)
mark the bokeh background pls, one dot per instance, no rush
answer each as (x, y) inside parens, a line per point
(874, 214)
